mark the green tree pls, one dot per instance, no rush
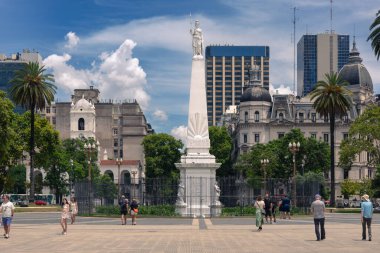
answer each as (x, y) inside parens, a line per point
(6, 134)
(162, 151)
(331, 99)
(221, 148)
(349, 187)
(374, 36)
(15, 179)
(315, 153)
(105, 187)
(364, 135)
(32, 89)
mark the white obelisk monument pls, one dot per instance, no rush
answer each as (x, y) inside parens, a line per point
(198, 192)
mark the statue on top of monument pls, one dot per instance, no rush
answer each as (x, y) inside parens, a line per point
(197, 39)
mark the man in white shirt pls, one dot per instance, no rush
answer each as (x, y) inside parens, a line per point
(7, 209)
(318, 209)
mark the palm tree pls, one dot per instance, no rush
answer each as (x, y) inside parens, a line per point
(33, 90)
(375, 35)
(331, 99)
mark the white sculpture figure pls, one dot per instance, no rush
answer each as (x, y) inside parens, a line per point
(217, 194)
(197, 39)
(181, 194)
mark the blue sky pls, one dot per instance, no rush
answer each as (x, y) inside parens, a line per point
(142, 48)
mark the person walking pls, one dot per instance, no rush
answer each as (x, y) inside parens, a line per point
(285, 202)
(74, 209)
(318, 209)
(366, 217)
(7, 210)
(134, 211)
(274, 207)
(268, 208)
(123, 209)
(260, 206)
(65, 215)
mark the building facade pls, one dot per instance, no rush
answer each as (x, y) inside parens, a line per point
(262, 118)
(226, 74)
(9, 65)
(313, 58)
(118, 126)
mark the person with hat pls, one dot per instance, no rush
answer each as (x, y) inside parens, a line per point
(318, 209)
(366, 216)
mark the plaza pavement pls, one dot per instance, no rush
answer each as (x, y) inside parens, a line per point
(42, 233)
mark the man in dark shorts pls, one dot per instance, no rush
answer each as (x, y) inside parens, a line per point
(285, 202)
(123, 210)
(268, 208)
(274, 206)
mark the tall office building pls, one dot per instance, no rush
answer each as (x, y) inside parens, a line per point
(314, 61)
(9, 65)
(227, 72)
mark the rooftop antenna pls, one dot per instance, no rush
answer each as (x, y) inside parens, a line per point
(331, 38)
(294, 21)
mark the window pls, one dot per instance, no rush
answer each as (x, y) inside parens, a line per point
(54, 110)
(360, 173)
(257, 138)
(54, 121)
(313, 135)
(246, 117)
(245, 138)
(313, 117)
(47, 109)
(115, 131)
(121, 142)
(326, 118)
(280, 135)
(81, 124)
(326, 138)
(115, 121)
(369, 173)
(257, 116)
(115, 142)
(115, 153)
(300, 117)
(345, 136)
(121, 153)
(345, 118)
(281, 116)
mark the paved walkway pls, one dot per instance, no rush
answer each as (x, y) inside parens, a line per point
(215, 235)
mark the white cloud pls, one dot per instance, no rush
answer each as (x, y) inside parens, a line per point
(160, 115)
(180, 133)
(282, 89)
(118, 76)
(72, 40)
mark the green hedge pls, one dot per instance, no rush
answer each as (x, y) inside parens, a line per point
(238, 211)
(160, 210)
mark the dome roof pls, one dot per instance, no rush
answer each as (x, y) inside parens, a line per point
(354, 72)
(256, 93)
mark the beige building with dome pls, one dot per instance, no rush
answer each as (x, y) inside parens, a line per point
(261, 117)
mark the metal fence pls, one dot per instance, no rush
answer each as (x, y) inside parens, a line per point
(234, 191)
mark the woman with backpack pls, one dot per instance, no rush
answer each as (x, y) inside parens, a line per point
(134, 211)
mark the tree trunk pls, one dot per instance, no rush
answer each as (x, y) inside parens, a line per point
(31, 153)
(332, 160)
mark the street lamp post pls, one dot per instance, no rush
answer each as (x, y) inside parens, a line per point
(294, 148)
(134, 182)
(119, 161)
(264, 163)
(71, 176)
(90, 149)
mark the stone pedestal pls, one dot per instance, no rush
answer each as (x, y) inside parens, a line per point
(200, 196)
